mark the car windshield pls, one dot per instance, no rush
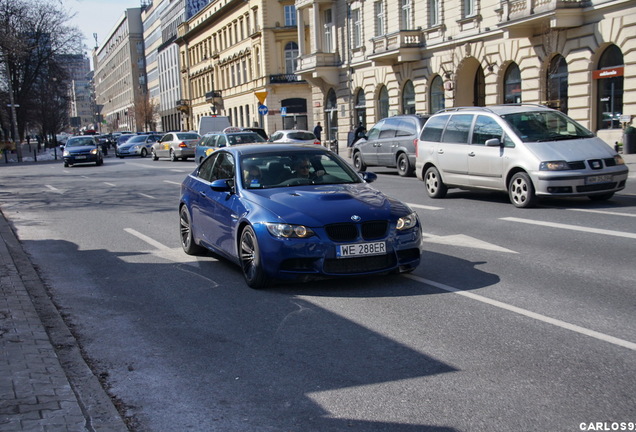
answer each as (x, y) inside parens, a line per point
(243, 138)
(80, 142)
(287, 169)
(534, 126)
(138, 138)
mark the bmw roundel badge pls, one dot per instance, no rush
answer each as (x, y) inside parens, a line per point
(356, 218)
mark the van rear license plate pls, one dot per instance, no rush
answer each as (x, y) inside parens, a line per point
(360, 249)
(599, 179)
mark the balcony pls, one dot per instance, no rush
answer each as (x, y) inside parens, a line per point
(285, 79)
(319, 66)
(212, 96)
(402, 46)
(521, 17)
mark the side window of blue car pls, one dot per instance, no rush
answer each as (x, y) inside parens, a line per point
(205, 170)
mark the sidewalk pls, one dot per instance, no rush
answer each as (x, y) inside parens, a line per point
(45, 385)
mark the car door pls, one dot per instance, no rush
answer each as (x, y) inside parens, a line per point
(452, 151)
(386, 142)
(164, 145)
(485, 163)
(406, 131)
(368, 147)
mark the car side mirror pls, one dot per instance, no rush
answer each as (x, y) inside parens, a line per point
(222, 185)
(493, 142)
(369, 177)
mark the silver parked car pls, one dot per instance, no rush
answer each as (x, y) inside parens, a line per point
(293, 136)
(175, 145)
(526, 150)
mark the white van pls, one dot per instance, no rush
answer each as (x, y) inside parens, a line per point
(528, 151)
(209, 124)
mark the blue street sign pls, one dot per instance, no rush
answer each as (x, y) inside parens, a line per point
(262, 110)
(283, 111)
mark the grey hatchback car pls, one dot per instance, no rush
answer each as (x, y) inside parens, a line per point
(526, 150)
(390, 142)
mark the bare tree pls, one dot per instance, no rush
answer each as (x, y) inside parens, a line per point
(146, 113)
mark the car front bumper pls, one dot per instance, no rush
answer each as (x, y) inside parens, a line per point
(564, 183)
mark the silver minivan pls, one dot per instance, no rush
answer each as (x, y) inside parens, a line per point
(526, 150)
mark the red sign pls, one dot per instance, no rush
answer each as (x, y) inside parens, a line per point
(608, 73)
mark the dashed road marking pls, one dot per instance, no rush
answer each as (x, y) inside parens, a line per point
(572, 227)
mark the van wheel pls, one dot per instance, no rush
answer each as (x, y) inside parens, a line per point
(435, 187)
(521, 191)
(357, 162)
(404, 166)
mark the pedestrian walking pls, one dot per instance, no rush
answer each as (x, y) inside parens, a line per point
(318, 131)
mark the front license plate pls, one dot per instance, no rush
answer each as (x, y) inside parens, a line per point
(80, 157)
(599, 179)
(360, 249)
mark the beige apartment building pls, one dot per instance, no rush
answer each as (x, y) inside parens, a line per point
(238, 56)
(370, 59)
(120, 81)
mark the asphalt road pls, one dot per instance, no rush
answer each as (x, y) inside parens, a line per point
(517, 319)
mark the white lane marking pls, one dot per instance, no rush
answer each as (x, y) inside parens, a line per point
(603, 212)
(464, 241)
(572, 227)
(145, 196)
(424, 207)
(179, 171)
(54, 189)
(149, 240)
(110, 184)
(172, 182)
(555, 322)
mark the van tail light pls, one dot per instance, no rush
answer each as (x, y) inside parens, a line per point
(183, 145)
(415, 144)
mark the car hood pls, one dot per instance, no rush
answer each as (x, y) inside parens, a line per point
(319, 205)
(128, 144)
(571, 150)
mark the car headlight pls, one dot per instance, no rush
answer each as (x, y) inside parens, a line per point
(407, 222)
(288, 230)
(619, 160)
(66, 153)
(94, 151)
(554, 166)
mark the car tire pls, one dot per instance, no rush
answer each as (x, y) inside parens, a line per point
(435, 187)
(154, 155)
(99, 162)
(65, 164)
(173, 157)
(250, 259)
(358, 164)
(521, 191)
(404, 166)
(144, 152)
(185, 233)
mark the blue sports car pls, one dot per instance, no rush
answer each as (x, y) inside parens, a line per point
(294, 212)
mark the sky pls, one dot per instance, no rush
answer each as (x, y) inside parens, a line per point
(97, 16)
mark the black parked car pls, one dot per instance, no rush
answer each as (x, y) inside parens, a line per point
(390, 142)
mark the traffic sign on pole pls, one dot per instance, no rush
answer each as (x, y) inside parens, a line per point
(262, 110)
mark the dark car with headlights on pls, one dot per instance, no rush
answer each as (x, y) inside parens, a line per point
(294, 212)
(82, 149)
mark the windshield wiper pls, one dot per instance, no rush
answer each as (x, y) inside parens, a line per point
(558, 137)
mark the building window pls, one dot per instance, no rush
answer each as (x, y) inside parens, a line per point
(408, 98)
(356, 28)
(379, 18)
(407, 15)
(433, 13)
(469, 8)
(512, 84)
(328, 45)
(557, 85)
(361, 108)
(291, 57)
(610, 88)
(331, 112)
(479, 88)
(437, 95)
(383, 103)
(290, 16)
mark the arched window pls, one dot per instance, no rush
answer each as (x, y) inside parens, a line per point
(361, 108)
(437, 95)
(479, 88)
(610, 88)
(557, 85)
(291, 57)
(383, 103)
(408, 98)
(331, 111)
(512, 84)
